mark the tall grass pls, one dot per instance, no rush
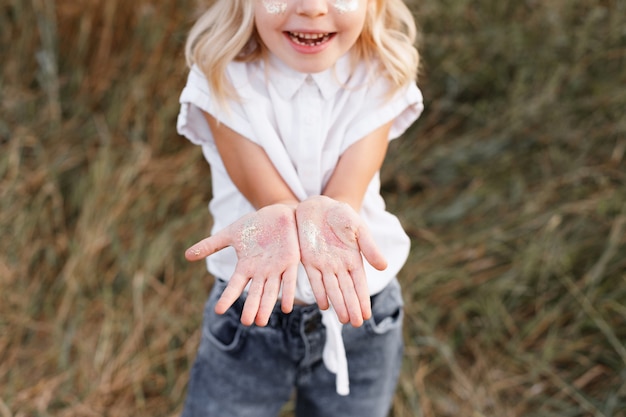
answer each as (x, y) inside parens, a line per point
(512, 186)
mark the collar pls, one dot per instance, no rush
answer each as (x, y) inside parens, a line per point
(288, 81)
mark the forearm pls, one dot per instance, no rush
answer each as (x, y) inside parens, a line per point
(250, 168)
(356, 168)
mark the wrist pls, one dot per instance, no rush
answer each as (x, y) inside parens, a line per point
(341, 199)
(350, 202)
(292, 204)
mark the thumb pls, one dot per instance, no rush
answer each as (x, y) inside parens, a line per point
(207, 247)
(369, 249)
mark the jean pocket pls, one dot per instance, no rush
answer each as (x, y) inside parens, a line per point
(387, 310)
(224, 331)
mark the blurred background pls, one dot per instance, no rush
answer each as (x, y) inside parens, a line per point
(512, 186)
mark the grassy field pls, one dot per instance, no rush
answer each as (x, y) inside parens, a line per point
(512, 187)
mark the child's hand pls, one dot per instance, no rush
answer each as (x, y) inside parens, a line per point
(332, 238)
(267, 249)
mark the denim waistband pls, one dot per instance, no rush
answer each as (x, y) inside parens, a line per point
(310, 314)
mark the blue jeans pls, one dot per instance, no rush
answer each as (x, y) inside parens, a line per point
(252, 371)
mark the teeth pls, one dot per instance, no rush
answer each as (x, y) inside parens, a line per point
(309, 35)
(311, 39)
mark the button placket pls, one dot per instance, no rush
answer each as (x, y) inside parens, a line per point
(310, 101)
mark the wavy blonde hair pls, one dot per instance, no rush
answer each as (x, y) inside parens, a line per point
(226, 32)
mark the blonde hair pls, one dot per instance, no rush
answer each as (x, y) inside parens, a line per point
(225, 32)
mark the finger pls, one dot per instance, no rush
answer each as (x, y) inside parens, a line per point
(207, 247)
(268, 301)
(253, 300)
(370, 250)
(362, 292)
(235, 287)
(317, 285)
(336, 297)
(353, 305)
(290, 277)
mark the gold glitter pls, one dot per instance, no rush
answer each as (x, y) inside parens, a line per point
(313, 238)
(344, 6)
(275, 7)
(248, 237)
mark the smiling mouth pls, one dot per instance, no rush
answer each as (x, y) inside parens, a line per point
(309, 39)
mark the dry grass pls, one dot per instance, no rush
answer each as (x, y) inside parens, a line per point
(512, 186)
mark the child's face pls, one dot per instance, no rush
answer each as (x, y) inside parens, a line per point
(310, 35)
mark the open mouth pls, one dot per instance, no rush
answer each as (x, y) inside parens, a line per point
(309, 39)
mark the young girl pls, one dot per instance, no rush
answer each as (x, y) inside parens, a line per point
(293, 103)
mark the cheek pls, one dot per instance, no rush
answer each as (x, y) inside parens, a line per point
(266, 27)
(350, 15)
(352, 25)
